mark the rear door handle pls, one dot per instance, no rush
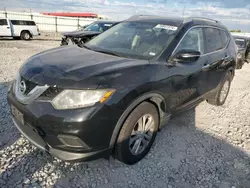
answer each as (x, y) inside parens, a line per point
(8, 27)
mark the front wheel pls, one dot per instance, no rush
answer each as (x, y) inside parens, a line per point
(137, 134)
(222, 93)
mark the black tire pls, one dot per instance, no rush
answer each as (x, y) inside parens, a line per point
(239, 65)
(216, 100)
(64, 43)
(25, 35)
(16, 38)
(122, 149)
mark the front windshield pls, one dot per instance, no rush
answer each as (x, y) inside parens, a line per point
(139, 40)
(240, 43)
(99, 27)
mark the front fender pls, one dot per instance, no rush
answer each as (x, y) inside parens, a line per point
(155, 98)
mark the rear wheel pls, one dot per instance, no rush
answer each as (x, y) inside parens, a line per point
(222, 93)
(25, 35)
(137, 134)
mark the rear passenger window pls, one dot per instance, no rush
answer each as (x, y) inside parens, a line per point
(22, 22)
(214, 40)
(15, 22)
(30, 23)
(3, 22)
(193, 40)
(224, 37)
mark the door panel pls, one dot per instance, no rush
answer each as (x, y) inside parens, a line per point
(217, 56)
(188, 79)
(187, 83)
(4, 28)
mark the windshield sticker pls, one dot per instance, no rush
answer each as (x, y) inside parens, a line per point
(107, 24)
(152, 53)
(167, 27)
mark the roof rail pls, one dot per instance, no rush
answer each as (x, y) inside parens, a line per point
(139, 15)
(142, 15)
(201, 18)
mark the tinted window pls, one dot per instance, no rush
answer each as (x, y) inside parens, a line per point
(99, 27)
(224, 37)
(22, 22)
(3, 22)
(241, 43)
(30, 23)
(194, 40)
(214, 40)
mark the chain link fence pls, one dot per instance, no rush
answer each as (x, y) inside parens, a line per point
(49, 23)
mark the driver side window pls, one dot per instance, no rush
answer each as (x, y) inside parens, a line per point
(94, 27)
(3, 22)
(193, 40)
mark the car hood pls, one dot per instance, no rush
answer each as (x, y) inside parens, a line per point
(80, 33)
(68, 66)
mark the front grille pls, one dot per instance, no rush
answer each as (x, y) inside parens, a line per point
(50, 93)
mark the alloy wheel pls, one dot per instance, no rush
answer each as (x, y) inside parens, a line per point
(224, 90)
(142, 134)
(26, 36)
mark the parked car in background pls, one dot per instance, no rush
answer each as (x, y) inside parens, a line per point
(86, 33)
(243, 45)
(18, 29)
(113, 95)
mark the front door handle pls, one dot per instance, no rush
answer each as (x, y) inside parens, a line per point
(206, 66)
(8, 27)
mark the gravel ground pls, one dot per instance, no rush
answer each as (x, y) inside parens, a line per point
(207, 147)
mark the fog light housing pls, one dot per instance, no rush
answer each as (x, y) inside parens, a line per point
(72, 141)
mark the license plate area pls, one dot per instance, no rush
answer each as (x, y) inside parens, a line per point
(17, 114)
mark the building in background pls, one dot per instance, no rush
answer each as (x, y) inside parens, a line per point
(75, 14)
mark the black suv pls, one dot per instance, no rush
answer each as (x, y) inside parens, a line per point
(115, 93)
(86, 33)
(243, 50)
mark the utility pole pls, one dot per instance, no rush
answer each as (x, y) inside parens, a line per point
(183, 13)
(5, 12)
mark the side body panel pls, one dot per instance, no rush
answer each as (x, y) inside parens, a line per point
(220, 62)
(5, 29)
(19, 28)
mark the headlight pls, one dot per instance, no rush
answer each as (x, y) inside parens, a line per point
(10, 86)
(71, 99)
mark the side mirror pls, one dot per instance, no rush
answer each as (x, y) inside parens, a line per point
(186, 56)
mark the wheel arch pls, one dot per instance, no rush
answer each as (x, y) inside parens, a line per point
(25, 30)
(156, 99)
(232, 71)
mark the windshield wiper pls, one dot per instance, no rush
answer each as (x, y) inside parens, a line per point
(84, 46)
(108, 52)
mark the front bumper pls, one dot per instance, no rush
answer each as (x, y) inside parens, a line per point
(43, 126)
(37, 141)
